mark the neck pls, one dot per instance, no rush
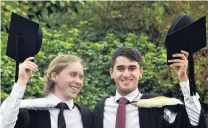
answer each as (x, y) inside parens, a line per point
(60, 95)
(125, 93)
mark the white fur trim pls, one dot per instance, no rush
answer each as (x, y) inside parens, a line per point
(37, 104)
(157, 102)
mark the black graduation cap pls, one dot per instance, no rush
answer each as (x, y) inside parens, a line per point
(186, 34)
(183, 33)
(24, 40)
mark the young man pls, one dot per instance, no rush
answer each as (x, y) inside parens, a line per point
(64, 79)
(120, 111)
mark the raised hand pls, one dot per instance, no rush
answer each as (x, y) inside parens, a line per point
(25, 71)
(180, 65)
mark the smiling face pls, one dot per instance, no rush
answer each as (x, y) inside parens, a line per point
(69, 81)
(126, 74)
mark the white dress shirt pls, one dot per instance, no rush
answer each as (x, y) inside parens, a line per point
(192, 105)
(10, 108)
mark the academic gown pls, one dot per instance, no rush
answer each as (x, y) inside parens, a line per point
(31, 118)
(152, 117)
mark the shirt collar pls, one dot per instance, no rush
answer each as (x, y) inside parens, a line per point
(53, 98)
(130, 97)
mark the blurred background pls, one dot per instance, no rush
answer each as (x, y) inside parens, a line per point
(93, 30)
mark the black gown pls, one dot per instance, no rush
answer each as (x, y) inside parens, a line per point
(152, 117)
(30, 118)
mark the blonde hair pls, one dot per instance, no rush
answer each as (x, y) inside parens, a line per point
(57, 65)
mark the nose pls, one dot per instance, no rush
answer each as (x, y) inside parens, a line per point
(78, 80)
(126, 73)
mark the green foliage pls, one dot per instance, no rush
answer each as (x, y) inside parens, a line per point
(93, 30)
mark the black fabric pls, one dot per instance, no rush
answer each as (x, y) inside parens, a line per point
(149, 95)
(98, 113)
(41, 118)
(86, 116)
(23, 119)
(33, 119)
(147, 116)
(202, 120)
(152, 117)
(61, 119)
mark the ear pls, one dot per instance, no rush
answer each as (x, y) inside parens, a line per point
(111, 73)
(53, 76)
(141, 72)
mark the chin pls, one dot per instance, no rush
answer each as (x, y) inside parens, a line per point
(71, 96)
(127, 90)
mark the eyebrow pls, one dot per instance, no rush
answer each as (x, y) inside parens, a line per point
(119, 66)
(77, 73)
(131, 66)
